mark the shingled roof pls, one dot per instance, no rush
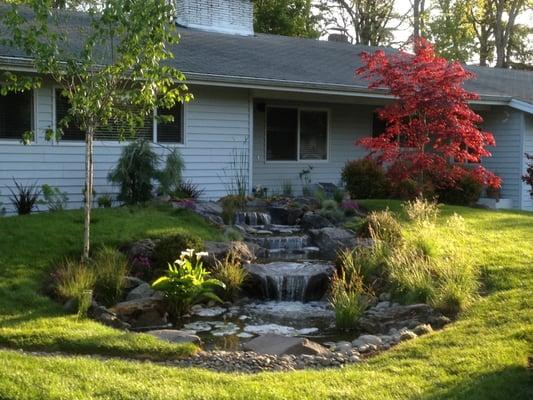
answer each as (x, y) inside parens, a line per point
(272, 60)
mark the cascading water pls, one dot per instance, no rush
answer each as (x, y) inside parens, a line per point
(252, 218)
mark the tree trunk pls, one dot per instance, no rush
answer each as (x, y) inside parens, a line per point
(89, 176)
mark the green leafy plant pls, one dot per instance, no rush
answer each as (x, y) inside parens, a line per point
(365, 179)
(168, 249)
(230, 272)
(24, 198)
(331, 211)
(105, 201)
(54, 198)
(170, 177)
(187, 283)
(235, 175)
(305, 179)
(110, 267)
(135, 171)
(286, 188)
(338, 195)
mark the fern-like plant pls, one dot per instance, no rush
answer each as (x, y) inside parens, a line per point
(187, 283)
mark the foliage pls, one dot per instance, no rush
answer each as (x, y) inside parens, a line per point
(331, 211)
(105, 201)
(118, 40)
(466, 191)
(350, 207)
(320, 196)
(287, 18)
(110, 267)
(338, 195)
(54, 198)
(422, 211)
(347, 298)
(232, 235)
(383, 227)
(24, 198)
(230, 205)
(305, 179)
(71, 279)
(436, 127)
(231, 273)
(528, 177)
(187, 283)
(187, 190)
(168, 249)
(235, 175)
(286, 188)
(365, 179)
(170, 177)
(135, 172)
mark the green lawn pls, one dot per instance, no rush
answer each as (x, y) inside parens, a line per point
(481, 356)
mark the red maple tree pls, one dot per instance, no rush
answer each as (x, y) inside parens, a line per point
(430, 129)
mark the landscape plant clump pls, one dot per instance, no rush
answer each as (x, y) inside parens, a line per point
(24, 197)
(382, 227)
(465, 191)
(168, 249)
(187, 283)
(365, 179)
(230, 272)
(170, 177)
(72, 280)
(305, 179)
(286, 188)
(54, 198)
(110, 267)
(331, 211)
(230, 205)
(187, 190)
(105, 201)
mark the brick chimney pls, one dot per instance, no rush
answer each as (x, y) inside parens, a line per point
(224, 16)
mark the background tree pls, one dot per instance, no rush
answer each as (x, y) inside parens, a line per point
(286, 17)
(451, 31)
(114, 75)
(367, 22)
(431, 118)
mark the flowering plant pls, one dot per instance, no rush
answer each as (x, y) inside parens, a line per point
(187, 283)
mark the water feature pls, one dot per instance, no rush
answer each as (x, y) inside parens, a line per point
(252, 218)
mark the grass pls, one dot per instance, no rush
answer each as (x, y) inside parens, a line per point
(481, 356)
(31, 245)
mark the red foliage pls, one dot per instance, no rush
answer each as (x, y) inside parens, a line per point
(431, 123)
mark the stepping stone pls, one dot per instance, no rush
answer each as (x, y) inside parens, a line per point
(280, 345)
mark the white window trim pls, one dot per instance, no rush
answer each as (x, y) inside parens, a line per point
(118, 143)
(298, 159)
(33, 125)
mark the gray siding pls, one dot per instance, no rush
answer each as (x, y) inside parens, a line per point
(347, 123)
(507, 126)
(216, 122)
(527, 199)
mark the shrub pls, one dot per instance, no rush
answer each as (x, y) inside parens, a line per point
(168, 249)
(110, 267)
(338, 195)
(382, 226)
(170, 176)
(134, 172)
(105, 201)
(365, 179)
(186, 283)
(230, 205)
(365, 263)
(331, 211)
(54, 198)
(187, 190)
(73, 280)
(465, 192)
(24, 198)
(320, 196)
(230, 272)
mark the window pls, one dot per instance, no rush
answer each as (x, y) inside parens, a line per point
(294, 134)
(110, 132)
(16, 114)
(171, 132)
(378, 125)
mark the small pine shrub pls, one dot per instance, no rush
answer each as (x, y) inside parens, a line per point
(134, 173)
(170, 176)
(365, 179)
(169, 249)
(110, 267)
(230, 272)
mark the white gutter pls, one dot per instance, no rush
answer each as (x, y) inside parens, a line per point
(521, 105)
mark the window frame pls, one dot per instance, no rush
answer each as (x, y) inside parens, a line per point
(33, 124)
(117, 142)
(299, 109)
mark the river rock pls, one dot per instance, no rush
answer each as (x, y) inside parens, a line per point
(312, 220)
(209, 210)
(383, 319)
(279, 345)
(142, 291)
(367, 339)
(330, 240)
(175, 336)
(422, 329)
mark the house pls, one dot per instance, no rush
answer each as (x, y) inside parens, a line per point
(283, 103)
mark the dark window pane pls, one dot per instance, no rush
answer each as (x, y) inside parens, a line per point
(171, 132)
(378, 125)
(313, 135)
(282, 134)
(16, 114)
(110, 132)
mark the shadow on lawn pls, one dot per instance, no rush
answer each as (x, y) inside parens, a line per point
(511, 383)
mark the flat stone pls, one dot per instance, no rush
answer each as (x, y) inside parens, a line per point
(198, 327)
(367, 339)
(135, 306)
(175, 336)
(208, 312)
(279, 345)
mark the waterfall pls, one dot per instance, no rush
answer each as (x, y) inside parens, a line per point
(252, 218)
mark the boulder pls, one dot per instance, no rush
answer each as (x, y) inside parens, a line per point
(382, 319)
(280, 345)
(141, 248)
(107, 317)
(331, 240)
(175, 336)
(367, 339)
(422, 329)
(312, 220)
(209, 210)
(142, 291)
(245, 252)
(131, 282)
(285, 214)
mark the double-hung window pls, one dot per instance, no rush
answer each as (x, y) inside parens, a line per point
(16, 114)
(163, 132)
(294, 134)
